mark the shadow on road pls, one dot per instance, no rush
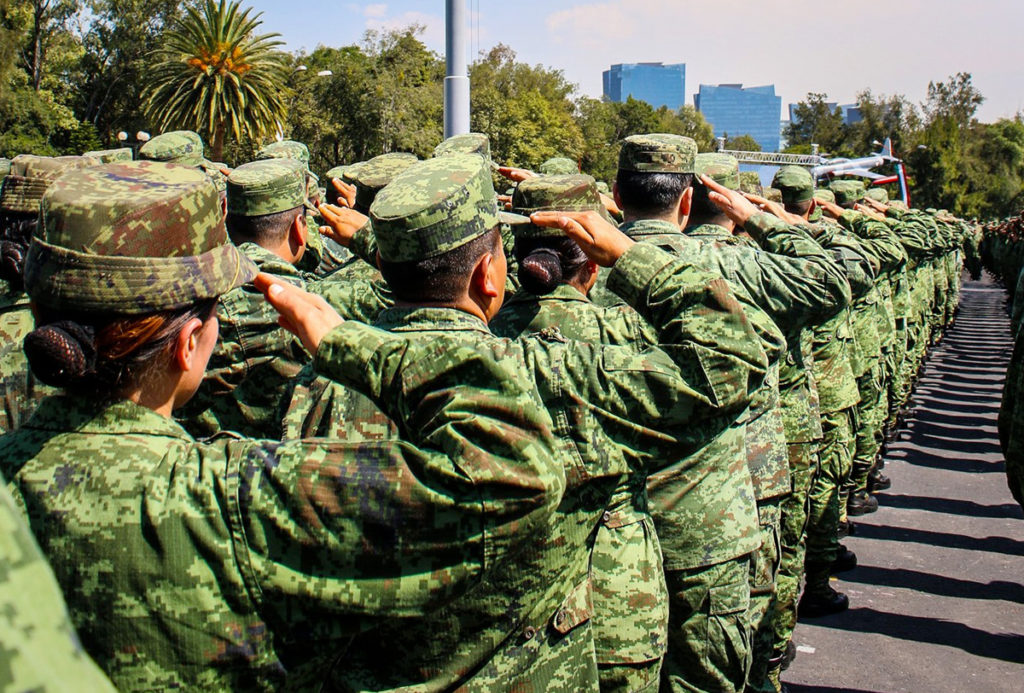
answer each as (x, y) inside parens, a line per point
(1004, 545)
(940, 585)
(951, 506)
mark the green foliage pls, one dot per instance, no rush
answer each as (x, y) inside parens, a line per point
(216, 75)
(742, 143)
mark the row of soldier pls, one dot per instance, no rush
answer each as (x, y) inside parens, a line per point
(554, 440)
(1002, 250)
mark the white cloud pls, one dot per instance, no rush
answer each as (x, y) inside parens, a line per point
(375, 11)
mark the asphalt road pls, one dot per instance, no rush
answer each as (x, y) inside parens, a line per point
(937, 600)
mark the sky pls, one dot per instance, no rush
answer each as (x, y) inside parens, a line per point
(801, 46)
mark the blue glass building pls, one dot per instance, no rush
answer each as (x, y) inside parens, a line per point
(657, 84)
(732, 110)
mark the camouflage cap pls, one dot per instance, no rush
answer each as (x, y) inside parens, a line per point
(724, 169)
(179, 147)
(657, 153)
(109, 156)
(795, 183)
(824, 194)
(877, 194)
(899, 204)
(558, 166)
(266, 187)
(5, 166)
(772, 194)
(435, 206)
(286, 149)
(468, 143)
(750, 182)
(847, 191)
(573, 193)
(132, 238)
(31, 176)
(372, 176)
(603, 188)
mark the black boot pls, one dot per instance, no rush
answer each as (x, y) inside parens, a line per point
(819, 598)
(861, 503)
(847, 529)
(878, 482)
(846, 560)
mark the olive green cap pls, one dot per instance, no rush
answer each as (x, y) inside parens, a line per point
(724, 169)
(266, 187)
(603, 188)
(877, 194)
(286, 149)
(847, 191)
(899, 204)
(109, 156)
(795, 183)
(559, 166)
(657, 153)
(468, 143)
(31, 176)
(435, 206)
(183, 147)
(772, 194)
(750, 182)
(132, 238)
(372, 176)
(571, 193)
(824, 194)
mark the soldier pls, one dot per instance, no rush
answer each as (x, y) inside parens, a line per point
(233, 564)
(184, 147)
(436, 228)
(41, 649)
(558, 166)
(23, 189)
(109, 156)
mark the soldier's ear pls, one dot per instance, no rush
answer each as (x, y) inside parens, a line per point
(685, 203)
(615, 194)
(299, 230)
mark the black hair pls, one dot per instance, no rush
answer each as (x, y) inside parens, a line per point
(16, 231)
(103, 355)
(702, 209)
(653, 194)
(264, 230)
(442, 278)
(799, 208)
(544, 263)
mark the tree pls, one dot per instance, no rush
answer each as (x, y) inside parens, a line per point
(742, 143)
(815, 121)
(216, 75)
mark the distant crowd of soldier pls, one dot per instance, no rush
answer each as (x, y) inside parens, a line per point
(442, 424)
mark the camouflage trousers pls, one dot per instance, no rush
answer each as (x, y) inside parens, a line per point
(871, 414)
(954, 267)
(764, 569)
(630, 678)
(938, 314)
(708, 632)
(772, 638)
(897, 373)
(836, 456)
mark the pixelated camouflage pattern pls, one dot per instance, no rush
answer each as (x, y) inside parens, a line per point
(657, 153)
(374, 175)
(20, 388)
(132, 238)
(183, 147)
(772, 194)
(434, 206)
(5, 166)
(847, 191)
(238, 565)
(285, 149)
(724, 169)
(31, 176)
(750, 182)
(266, 187)
(547, 601)
(110, 156)
(554, 193)
(835, 458)
(795, 183)
(824, 194)
(558, 166)
(41, 651)
(603, 188)
(877, 194)
(468, 143)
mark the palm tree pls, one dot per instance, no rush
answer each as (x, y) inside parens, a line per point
(215, 74)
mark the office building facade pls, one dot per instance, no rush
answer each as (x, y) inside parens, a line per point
(655, 83)
(734, 110)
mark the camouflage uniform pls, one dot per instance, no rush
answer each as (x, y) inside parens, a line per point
(558, 166)
(41, 651)
(183, 147)
(238, 564)
(546, 632)
(110, 156)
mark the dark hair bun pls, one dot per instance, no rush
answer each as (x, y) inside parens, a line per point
(12, 263)
(541, 271)
(61, 353)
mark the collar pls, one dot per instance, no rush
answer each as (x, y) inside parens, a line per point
(429, 318)
(649, 227)
(562, 292)
(62, 413)
(267, 261)
(719, 233)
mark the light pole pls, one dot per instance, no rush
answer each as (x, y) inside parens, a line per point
(456, 81)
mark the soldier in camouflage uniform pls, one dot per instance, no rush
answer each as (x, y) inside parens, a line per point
(183, 147)
(430, 216)
(23, 189)
(558, 166)
(41, 651)
(237, 565)
(109, 156)
(750, 182)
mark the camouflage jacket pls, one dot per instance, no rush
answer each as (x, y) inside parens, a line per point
(246, 565)
(531, 627)
(1011, 420)
(41, 651)
(21, 390)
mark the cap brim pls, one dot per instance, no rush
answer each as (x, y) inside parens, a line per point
(512, 219)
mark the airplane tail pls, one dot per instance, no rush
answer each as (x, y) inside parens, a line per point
(887, 148)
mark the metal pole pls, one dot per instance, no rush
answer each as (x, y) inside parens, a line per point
(456, 83)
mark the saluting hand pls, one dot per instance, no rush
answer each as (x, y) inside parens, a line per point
(731, 202)
(342, 223)
(305, 315)
(516, 175)
(831, 209)
(774, 208)
(346, 192)
(600, 240)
